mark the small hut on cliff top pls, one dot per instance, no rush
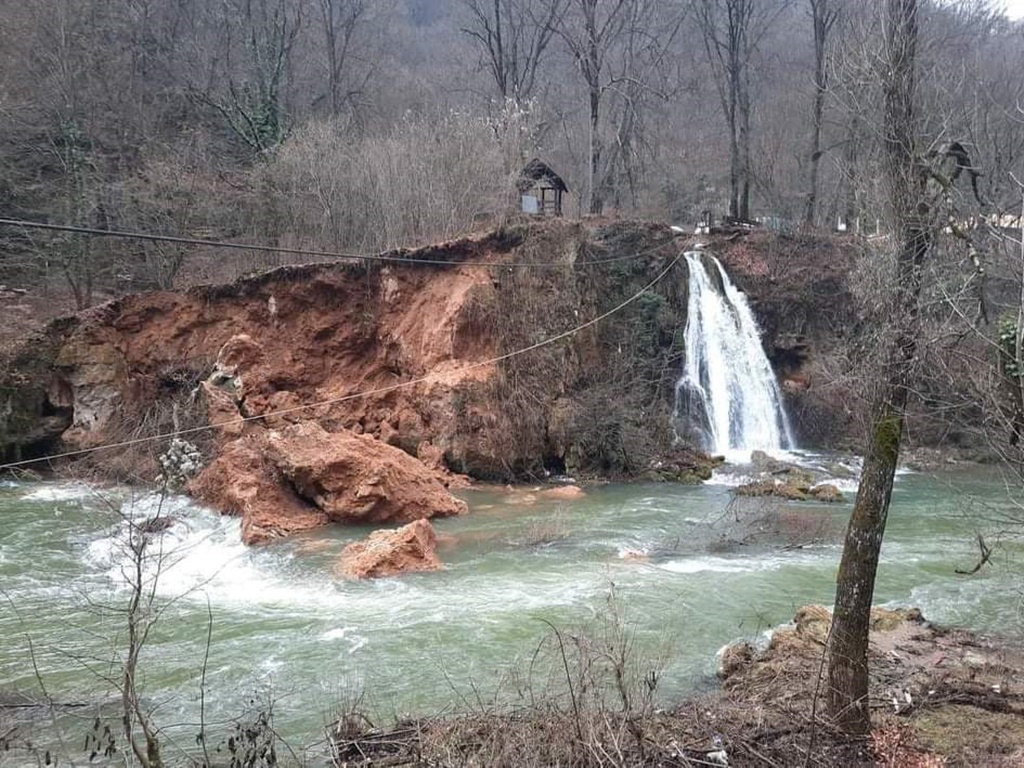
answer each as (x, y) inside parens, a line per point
(541, 189)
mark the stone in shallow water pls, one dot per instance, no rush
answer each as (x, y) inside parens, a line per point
(826, 492)
(563, 493)
(387, 553)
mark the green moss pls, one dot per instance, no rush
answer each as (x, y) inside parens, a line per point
(1008, 345)
(887, 433)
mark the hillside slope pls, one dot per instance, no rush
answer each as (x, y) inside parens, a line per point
(420, 342)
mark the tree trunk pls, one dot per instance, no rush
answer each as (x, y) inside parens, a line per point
(822, 18)
(848, 643)
(744, 146)
(594, 169)
(734, 169)
(850, 160)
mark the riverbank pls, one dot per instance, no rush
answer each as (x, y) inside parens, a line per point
(939, 697)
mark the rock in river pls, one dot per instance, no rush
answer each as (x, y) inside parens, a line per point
(386, 553)
(303, 477)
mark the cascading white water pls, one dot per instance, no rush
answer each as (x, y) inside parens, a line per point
(727, 398)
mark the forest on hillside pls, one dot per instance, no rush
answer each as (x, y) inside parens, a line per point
(849, 310)
(363, 125)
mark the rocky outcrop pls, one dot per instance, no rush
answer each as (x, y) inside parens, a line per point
(94, 374)
(792, 489)
(826, 492)
(387, 553)
(812, 622)
(788, 481)
(809, 631)
(681, 465)
(303, 477)
(357, 478)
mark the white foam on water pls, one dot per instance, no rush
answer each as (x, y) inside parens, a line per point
(702, 564)
(626, 553)
(729, 479)
(765, 562)
(846, 486)
(344, 633)
(270, 665)
(205, 557)
(60, 492)
(338, 633)
(199, 549)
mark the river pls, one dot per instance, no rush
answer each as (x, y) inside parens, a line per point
(691, 569)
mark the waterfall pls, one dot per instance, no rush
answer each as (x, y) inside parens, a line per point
(727, 398)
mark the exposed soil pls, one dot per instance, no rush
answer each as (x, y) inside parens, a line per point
(414, 355)
(415, 340)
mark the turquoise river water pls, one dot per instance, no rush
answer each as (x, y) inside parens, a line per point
(692, 569)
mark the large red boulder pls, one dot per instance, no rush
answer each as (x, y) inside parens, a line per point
(357, 478)
(239, 482)
(386, 553)
(303, 477)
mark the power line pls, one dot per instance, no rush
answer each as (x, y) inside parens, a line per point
(356, 395)
(379, 257)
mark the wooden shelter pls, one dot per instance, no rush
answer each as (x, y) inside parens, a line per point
(541, 189)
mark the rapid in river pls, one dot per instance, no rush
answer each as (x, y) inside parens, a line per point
(692, 568)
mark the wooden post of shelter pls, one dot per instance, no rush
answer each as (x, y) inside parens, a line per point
(541, 189)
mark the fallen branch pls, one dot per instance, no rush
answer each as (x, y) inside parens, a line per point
(986, 553)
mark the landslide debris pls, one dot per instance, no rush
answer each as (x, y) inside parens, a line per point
(406, 353)
(408, 549)
(302, 477)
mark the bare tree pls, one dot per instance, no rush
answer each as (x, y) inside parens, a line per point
(619, 48)
(731, 31)
(253, 103)
(74, 251)
(823, 18)
(588, 32)
(140, 615)
(513, 36)
(341, 20)
(912, 220)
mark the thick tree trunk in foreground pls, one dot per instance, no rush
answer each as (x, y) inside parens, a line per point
(848, 643)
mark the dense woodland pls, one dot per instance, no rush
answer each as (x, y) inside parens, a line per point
(361, 125)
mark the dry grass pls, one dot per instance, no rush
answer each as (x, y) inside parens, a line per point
(585, 700)
(544, 531)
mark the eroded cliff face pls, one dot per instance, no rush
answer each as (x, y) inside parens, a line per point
(132, 367)
(409, 355)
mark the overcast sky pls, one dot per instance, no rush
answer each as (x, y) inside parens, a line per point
(1014, 8)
